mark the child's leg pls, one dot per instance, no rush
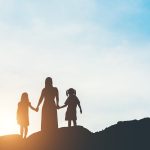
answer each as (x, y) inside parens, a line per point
(26, 132)
(21, 131)
(75, 122)
(69, 123)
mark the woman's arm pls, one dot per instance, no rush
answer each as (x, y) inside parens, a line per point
(41, 99)
(57, 98)
(80, 108)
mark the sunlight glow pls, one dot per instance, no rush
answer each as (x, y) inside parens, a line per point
(8, 124)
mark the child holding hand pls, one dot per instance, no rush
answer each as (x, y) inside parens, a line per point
(72, 102)
(23, 114)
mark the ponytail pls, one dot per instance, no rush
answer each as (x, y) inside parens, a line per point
(67, 92)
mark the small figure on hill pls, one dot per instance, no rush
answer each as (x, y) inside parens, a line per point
(23, 114)
(72, 102)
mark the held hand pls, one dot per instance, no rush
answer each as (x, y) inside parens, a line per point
(57, 107)
(80, 111)
(60, 107)
(37, 109)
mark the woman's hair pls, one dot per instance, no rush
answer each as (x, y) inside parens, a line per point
(48, 82)
(71, 91)
(24, 98)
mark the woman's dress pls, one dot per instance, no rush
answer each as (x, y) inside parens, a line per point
(49, 120)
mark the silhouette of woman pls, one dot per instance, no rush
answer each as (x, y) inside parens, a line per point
(49, 121)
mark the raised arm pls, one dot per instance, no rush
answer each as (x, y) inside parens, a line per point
(41, 99)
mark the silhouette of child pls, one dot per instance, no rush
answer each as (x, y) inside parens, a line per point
(23, 114)
(72, 102)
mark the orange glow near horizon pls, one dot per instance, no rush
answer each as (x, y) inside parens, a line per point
(8, 124)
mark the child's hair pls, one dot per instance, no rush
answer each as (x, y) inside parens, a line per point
(24, 98)
(71, 91)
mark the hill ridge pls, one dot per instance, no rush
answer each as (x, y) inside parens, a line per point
(125, 135)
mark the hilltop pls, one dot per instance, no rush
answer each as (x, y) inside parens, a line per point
(125, 135)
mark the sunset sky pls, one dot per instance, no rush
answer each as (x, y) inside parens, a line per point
(101, 48)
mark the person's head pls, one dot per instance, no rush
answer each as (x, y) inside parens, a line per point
(48, 82)
(71, 91)
(24, 98)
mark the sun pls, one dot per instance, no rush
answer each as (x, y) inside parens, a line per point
(8, 123)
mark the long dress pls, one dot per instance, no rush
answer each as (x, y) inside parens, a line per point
(49, 120)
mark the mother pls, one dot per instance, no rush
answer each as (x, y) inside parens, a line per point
(49, 121)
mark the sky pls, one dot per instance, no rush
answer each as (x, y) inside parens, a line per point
(101, 48)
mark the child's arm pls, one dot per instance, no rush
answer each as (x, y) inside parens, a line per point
(80, 108)
(63, 106)
(35, 109)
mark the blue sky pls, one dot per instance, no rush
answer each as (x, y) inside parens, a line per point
(100, 48)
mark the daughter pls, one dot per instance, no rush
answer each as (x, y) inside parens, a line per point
(72, 102)
(23, 114)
